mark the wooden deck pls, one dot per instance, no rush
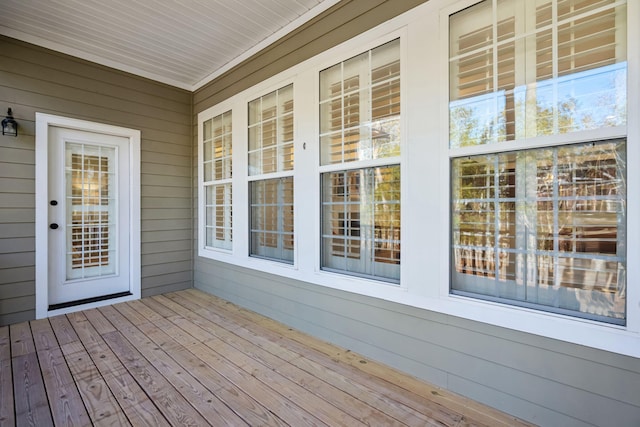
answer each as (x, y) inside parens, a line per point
(188, 358)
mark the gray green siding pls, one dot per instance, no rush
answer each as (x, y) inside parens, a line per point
(544, 381)
(33, 79)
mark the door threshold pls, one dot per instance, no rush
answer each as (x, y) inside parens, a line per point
(88, 300)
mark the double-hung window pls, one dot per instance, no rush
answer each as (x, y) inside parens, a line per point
(217, 174)
(270, 150)
(360, 164)
(537, 137)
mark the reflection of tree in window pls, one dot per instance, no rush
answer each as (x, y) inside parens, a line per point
(360, 122)
(543, 217)
(346, 214)
(271, 152)
(542, 83)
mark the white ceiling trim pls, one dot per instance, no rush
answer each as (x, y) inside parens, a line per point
(317, 10)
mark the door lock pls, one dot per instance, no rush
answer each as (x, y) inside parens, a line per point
(53, 226)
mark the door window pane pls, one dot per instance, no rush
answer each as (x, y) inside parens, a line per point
(91, 202)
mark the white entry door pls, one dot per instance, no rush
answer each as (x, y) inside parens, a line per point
(88, 217)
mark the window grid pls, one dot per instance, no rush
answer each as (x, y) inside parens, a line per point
(544, 219)
(360, 122)
(271, 132)
(217, 175)
(360, 107)
(536, 71)
(544, 227)
(361, 221)
(271, 152)
(272, 218)
(90, 176)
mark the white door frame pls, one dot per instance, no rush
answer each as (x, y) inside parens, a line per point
(43, 122)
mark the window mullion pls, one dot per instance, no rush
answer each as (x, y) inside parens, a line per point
(496, 212)
(556, 220)
(494, 56)
(554, 62)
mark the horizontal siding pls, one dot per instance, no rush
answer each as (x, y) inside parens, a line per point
(166, 246)
(17, 235)
(95, 78)
(161, 258)
(17, 185)
(33, 79)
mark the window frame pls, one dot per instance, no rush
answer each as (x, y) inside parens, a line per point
(363, 166)
(203, 249)
(594, 333)
(306, 173)
(461, 283)
(425, 194)
(279, 174)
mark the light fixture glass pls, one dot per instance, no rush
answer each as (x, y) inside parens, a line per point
(9, 126)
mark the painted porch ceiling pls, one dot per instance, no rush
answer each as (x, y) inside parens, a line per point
(184, 43)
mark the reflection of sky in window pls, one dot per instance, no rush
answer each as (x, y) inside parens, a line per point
(584, 100)
(478, 119)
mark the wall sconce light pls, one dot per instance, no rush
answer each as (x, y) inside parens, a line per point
(9, 126)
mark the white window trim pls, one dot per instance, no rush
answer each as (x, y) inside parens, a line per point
(215, 111)
(305, 80)
(425, 183)
(261, 177)
(619, 339)
(43, 123)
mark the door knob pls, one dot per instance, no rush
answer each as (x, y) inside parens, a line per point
(53, 226)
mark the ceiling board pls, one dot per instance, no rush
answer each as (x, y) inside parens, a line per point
(184, 43)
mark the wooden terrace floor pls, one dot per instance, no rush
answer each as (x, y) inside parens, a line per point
(188, 358)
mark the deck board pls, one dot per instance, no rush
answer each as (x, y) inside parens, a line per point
(134, 402)
(253, 358)
(29, 395)
(7, 415)
(181, 377)
(353, 382)
(31, 404)
(98, 398)
(58, 381)
(189, 358)
(232, 396)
